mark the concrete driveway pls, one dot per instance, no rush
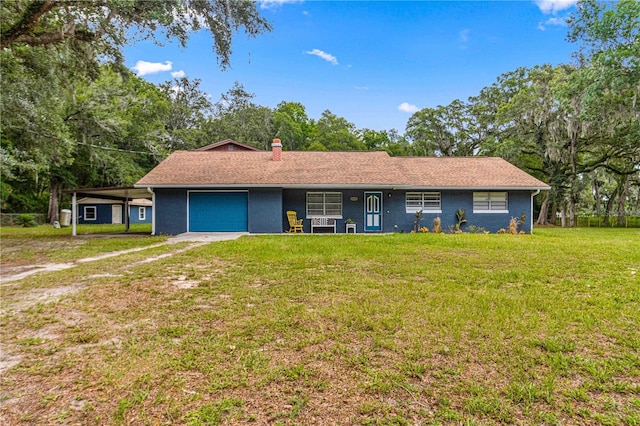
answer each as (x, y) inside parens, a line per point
(206, 237)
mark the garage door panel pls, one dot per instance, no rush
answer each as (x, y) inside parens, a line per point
(218, 211)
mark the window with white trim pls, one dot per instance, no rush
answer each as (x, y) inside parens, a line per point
(142, 213)
(428, 202)
(324, 204)
(490, 202)
(90, 213)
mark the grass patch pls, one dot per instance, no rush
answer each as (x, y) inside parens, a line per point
(48, 231)
(46, 244)
(389, 329)
(213, 413)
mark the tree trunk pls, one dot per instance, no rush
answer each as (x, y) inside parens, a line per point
(622, 200)
(609, 207)
(544, 211)
(563, 216)
(596, 194)
(54, 201)
(572, 213)
(554, 213)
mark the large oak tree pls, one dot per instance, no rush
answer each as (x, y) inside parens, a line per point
(52, 51)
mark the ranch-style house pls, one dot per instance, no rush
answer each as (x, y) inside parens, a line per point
(230, 187)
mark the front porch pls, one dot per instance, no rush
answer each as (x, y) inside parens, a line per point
(343, 211)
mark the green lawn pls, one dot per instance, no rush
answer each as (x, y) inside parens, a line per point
(342, 329)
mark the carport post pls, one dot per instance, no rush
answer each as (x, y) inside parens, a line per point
(126, 211)
(74, 213)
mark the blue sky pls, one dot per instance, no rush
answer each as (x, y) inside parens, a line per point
(373, 63)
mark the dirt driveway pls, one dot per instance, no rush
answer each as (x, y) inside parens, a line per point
(10, 274)
(13, 276)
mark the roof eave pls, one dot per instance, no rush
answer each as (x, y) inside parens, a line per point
(483, 188)
(344, 186)
(269, 185)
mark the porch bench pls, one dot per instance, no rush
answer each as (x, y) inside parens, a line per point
(323, 222)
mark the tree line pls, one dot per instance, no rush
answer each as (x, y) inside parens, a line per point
(74, 116)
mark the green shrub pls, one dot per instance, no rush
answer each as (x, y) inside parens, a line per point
(27, 221)
(472, 229)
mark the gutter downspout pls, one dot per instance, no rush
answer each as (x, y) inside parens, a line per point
(533, 194)
(153, 211)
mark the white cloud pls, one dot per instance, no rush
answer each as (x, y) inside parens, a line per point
(272, 4)
(554, 21)
(562, 22)
(361, 88)
(407, 107)
(323, 55)
(144, 68)
(464, 35)
(178, 74)
(463, 38)
(554, 6)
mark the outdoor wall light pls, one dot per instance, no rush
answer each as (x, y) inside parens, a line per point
(389, 195)
(353, 198)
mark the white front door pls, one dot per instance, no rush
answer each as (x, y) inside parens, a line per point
(116, 214)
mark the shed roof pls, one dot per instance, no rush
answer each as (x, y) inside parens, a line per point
(112, 193)
(335, 169)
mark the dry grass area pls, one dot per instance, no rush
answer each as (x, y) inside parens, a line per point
(394, 329)
(44, 247)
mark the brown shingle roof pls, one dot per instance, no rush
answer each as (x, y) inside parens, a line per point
(466, 172)
(348, 169)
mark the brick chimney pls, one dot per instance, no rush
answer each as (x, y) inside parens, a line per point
(276, 149)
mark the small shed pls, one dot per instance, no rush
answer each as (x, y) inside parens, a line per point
(106, 205)
(100, 211)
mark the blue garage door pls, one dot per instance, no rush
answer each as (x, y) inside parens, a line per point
(218, 212)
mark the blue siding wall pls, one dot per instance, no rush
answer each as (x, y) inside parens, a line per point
(134, 214)
(396, 219)
(265, 211)
(519, 202)
(268, 207)
(352, 208)
(103, 214)
(171, 211)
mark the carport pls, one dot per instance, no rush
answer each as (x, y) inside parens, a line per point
(124, 194)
